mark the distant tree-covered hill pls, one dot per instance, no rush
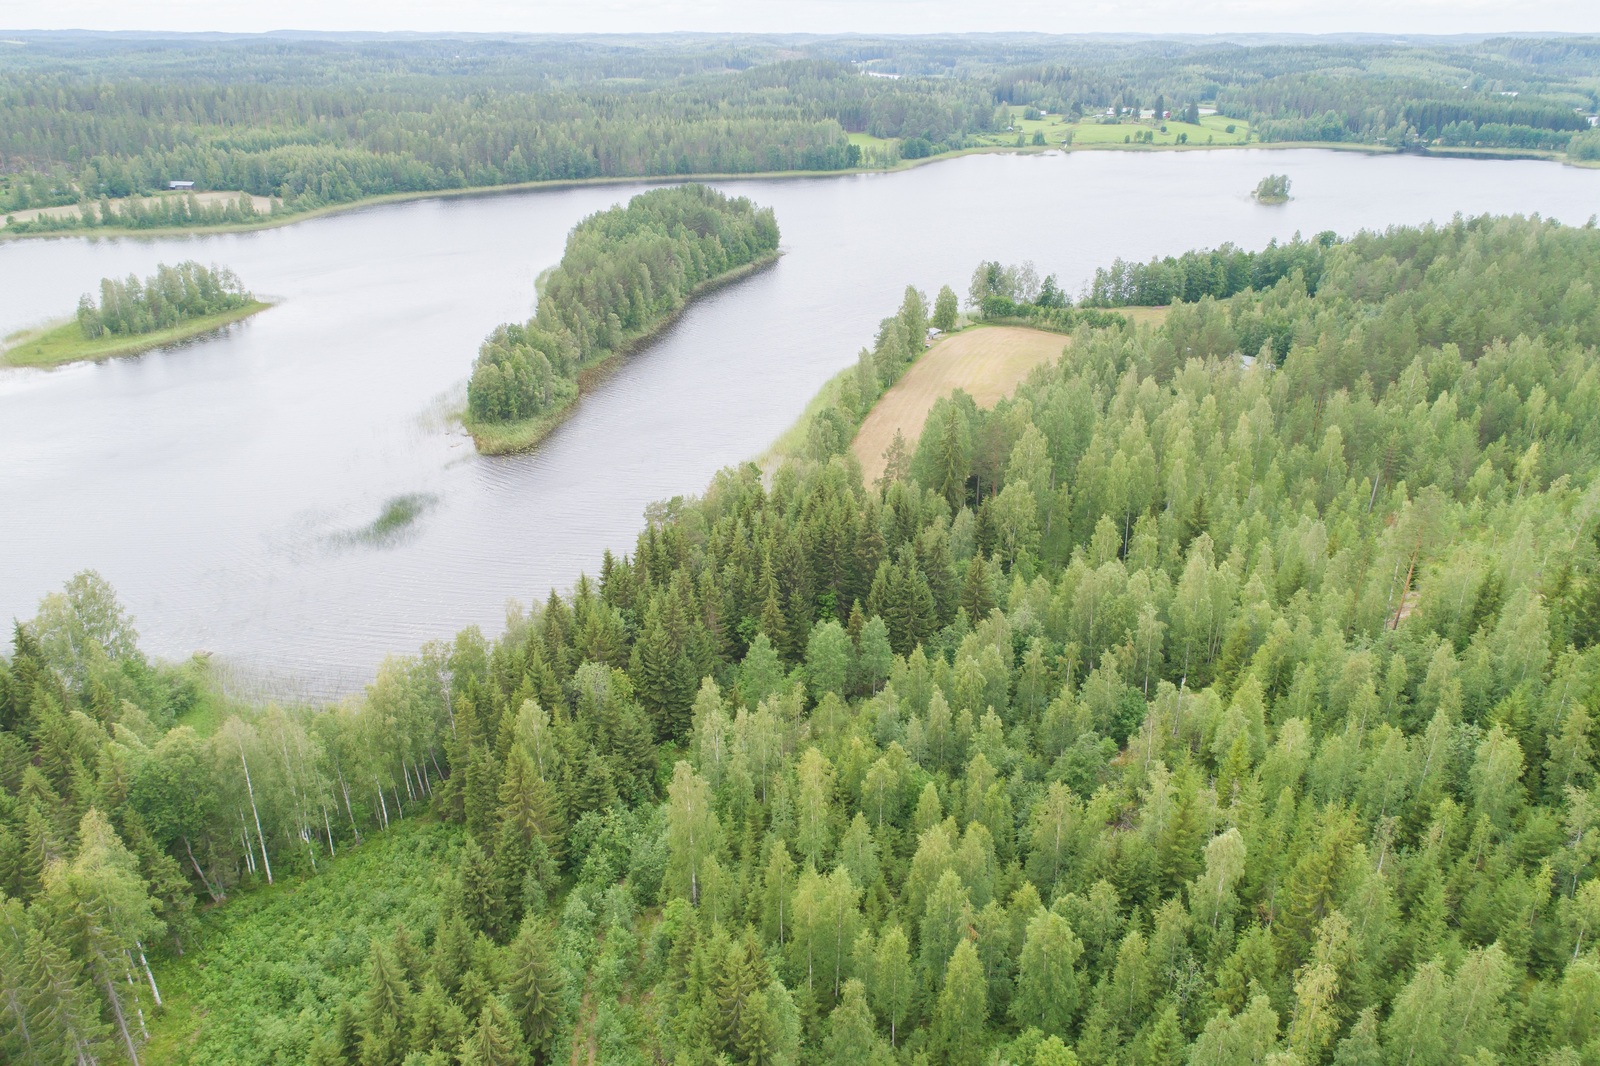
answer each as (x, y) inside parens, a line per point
(313, 122)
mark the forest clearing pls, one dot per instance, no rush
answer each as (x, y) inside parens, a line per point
(988, 363)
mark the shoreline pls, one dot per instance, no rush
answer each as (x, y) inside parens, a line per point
(82, 350)
(511, 438)
(380, 199)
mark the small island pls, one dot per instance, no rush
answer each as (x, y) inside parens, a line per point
(625, 275)
(1273, 189)
(132, 316)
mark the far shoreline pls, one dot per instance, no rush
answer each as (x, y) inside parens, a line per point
(274, 221)
(61, 342)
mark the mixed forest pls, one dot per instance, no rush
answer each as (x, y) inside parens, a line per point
(308, 123)
(625, 273)
(1181, 709)
(169, 297)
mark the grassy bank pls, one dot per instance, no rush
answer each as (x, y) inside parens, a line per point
(506, 438)
(791, 443)
(64, 342)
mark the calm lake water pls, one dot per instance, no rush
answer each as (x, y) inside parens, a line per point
(221, 485)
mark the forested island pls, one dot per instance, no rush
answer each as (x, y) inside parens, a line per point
(625, 273)
(132, 316)
(1180, 709)
(167, 131)
(1272, 189)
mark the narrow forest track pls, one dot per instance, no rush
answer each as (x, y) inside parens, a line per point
(987, 361)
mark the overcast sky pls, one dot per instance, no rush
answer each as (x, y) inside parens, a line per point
(815, 16)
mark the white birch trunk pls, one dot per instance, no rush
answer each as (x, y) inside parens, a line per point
(201, 873)
(122, 1021)
(154, 991)
(348, 812)
(265, 862)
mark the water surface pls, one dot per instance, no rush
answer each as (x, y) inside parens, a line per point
(231, 488)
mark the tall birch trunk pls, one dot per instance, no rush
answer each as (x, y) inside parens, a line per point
(122, 1021)
(204, 880)
(348, 812)
(265, 862)
(154, 991)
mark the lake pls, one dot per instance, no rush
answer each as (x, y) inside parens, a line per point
(227, 486)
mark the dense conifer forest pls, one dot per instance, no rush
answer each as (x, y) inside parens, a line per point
(315, 122)
(624, 272)
(1180, 709)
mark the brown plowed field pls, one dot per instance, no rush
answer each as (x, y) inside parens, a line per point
(988, 362)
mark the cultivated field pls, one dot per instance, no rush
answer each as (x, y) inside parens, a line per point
(263, 204)
(987, 361)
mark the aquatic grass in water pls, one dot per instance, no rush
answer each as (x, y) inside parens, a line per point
(397, 516)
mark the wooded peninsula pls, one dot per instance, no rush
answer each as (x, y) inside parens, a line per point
(1181, 707)
(625, 274)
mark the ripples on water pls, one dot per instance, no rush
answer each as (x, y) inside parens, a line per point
(216, 484)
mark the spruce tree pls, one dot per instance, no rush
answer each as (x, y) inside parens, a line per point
(533, 984)
(385, 1011)
(495, 1041)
